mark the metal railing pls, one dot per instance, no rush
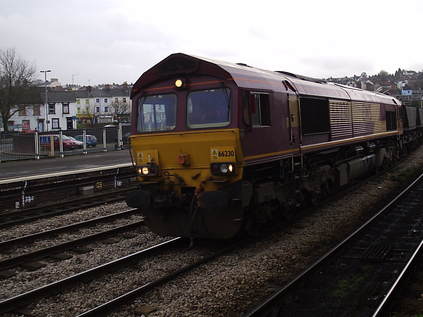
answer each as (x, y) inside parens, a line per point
(19, 145)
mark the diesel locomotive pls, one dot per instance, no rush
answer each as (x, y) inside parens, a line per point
(222, 147)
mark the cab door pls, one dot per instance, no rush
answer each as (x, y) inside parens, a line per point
(271, 133)
(293, 120)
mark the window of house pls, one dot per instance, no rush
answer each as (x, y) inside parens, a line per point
(51, 108)
(260, 109)
(55, 123)
(65, 108)
(78, 109)
(97, 100)
(97, 109)
(116, 99)
(87, 101)
(26, 125)
(78, 101)
(22, 110)
(124, 99)
(105, 100)
(106, 109)
(391, 121)
(314, 115)
(36, 110)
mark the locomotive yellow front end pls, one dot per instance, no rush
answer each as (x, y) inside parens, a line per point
(190, 182)
(185, 145)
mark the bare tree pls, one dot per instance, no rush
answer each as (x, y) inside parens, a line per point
(121, 110)
(89, 115)
(16, 76)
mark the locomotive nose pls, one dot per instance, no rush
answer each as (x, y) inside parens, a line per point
(187, 183)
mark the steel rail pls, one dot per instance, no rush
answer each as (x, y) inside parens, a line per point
(23, 299)
(32, 237)
(42, 185)
(380, 310)
(270, 301)
(113, 304)
(62, 185)
(36, 255)
(27, 215)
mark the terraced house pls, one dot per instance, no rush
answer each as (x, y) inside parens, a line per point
(59, 115)
(105, 105)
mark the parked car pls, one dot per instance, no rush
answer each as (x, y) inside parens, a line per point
(68, 142)
(79, 143)
(91, 139)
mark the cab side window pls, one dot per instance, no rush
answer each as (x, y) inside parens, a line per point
(260, 109)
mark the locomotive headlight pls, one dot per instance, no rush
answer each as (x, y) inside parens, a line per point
(178, 83)
(226, 168)
(223, 169)
(148, 170)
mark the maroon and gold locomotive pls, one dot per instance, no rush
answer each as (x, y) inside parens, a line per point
(222, 147)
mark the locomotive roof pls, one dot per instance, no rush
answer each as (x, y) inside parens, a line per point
(249, 77)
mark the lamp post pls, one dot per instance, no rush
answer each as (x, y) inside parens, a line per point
(45, 99)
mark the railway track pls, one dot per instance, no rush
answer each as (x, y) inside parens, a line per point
(106, 273)
(358, 276)
(128, 297)
(16, 302)
(29, 259)
(4, 245)
(12, 218)
(405, 299)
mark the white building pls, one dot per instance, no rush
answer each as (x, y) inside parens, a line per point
(103, 105)
(61, 113)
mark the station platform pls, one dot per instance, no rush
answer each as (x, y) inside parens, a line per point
(31, 168)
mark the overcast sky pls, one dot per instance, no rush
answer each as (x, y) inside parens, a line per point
(105, 41)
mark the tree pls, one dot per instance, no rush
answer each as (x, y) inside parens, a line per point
(16, 76)
(383, 75)
(89, 115)
(121, 110)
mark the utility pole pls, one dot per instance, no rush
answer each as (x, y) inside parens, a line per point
(45, 99)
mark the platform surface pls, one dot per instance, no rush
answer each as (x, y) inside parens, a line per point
(16, 169)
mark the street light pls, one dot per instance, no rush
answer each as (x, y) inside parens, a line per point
(45, 99)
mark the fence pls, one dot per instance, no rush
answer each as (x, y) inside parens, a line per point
(19, 146)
